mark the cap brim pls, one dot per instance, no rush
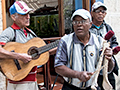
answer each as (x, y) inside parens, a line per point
(30, 9)
(83, 16)
(105, 8)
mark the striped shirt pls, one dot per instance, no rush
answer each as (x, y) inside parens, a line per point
(91, 50)
(8, 35)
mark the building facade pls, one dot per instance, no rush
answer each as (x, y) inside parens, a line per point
(113, 18)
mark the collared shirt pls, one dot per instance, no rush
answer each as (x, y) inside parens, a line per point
(8, 35)
(91, 55)
(98, 27)
(102, 31)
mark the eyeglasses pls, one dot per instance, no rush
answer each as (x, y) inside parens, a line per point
(98, 11)
(79, 22)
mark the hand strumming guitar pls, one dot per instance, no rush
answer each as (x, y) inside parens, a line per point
(25, 57)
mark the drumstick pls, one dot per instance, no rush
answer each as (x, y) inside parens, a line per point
(99, 69)
(96, 71)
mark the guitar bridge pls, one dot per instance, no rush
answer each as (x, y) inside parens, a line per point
(16, 62)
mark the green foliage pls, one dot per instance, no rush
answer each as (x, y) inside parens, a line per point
(44, 26)
(68, 8)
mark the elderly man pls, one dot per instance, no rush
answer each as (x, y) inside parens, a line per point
(18, 32)
(78, 52)
(100, 28)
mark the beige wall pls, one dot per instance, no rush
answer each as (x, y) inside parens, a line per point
(113, 18)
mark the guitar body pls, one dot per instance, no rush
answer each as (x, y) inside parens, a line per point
(8, 66)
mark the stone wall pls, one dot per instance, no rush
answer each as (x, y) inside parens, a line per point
(113, 19)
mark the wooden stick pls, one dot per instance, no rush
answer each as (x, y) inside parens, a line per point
(95, 78)
(98, 70)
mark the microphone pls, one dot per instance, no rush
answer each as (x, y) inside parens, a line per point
(109, 35)
(116, 49)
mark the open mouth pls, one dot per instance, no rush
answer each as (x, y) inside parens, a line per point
(100, 18)
(79, 30)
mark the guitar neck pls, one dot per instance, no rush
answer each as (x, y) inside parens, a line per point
(48, 47)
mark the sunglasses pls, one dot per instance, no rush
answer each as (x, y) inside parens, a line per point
(98, 11)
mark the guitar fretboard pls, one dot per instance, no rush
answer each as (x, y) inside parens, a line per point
(48, 47)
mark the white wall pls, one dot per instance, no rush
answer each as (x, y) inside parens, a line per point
(113, 19)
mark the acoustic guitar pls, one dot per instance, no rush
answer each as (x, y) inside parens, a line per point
(17, 70)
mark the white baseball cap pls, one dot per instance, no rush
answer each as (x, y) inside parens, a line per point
(83, 13)
(97, 5)
(19, 7)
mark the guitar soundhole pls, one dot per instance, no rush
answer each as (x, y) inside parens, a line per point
(33, 52)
